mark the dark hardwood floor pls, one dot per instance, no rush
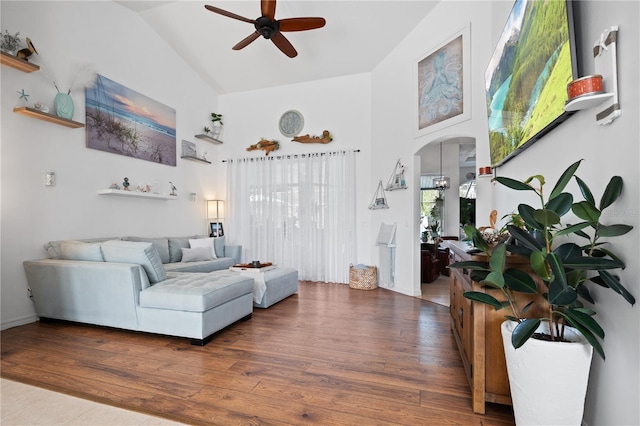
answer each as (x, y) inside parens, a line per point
(329, 355)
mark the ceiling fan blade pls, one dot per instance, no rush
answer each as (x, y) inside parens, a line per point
(283, 44)
(246, 41)
(228, 14)
(268, 8)
(301, 24)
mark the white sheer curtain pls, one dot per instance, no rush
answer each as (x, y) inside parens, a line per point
(296, 211)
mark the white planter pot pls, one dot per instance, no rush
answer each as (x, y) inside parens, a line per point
(548, 380)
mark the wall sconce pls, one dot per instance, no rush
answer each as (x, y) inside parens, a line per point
(215, 216)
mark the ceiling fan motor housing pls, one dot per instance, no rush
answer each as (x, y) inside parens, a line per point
(266, 27)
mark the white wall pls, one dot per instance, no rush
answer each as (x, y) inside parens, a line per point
(123, 48)
(341, 105)
(614, 385)
(393, 117)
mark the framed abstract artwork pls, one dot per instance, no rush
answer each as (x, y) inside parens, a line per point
(122, 121)
(442, 91)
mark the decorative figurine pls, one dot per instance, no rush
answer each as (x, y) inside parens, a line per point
(114, 186)
(325, 138)
(174, 190)
(28, 51)
(266, 145)
(126, 184)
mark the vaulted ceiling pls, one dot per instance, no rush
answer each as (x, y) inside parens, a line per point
(357, 36)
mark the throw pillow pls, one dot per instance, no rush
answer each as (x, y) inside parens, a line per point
(204, 242)
(161, 244)
(196, 254)
(77, 250)
(141, 253)
(218, 245)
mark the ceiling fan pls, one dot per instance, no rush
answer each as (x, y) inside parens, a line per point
(270, 28)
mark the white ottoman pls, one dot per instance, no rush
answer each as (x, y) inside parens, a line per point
(281, 283)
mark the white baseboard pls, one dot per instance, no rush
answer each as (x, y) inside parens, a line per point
(15, 322)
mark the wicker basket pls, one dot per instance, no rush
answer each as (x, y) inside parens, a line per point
(363, 279)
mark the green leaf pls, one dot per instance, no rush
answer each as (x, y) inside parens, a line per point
(523, 331)
(524, 238)
(562, 296)
(591, 338)
(613, 230)
(526, 213)
(564, 180)
(514, 184)
(576, 316)
(539, 265)
(586, 192)
(494, 279)
(573, 229)
(498, 258)
(611, 192)
(589, 263)
(586, 211)
(613, 282)
(560, 204)
(546, 217)
(477, 239)
(470, 264)
(600, 252)
(520, 281)
(478, 296)
(478, 276)
(557, 269)
(583, 292)
(527, 306)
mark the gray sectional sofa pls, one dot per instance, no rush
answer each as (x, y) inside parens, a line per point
(159, 285)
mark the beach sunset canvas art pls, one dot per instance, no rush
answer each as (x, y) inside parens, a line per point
(122, 121)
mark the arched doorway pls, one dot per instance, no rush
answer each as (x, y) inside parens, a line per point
(440, 210)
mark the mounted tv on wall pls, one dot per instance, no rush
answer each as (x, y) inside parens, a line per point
(527, 77)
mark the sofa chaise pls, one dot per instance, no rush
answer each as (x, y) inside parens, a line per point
(158, 285)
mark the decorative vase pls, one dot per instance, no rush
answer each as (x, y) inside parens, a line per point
(63, 105)
(548, 380)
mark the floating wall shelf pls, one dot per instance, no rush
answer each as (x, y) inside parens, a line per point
(606, 65)
(122, 193)
(397, 181)
(379, 200)
(188, 157)
(45, 116)
(208, 139)
(17, 63)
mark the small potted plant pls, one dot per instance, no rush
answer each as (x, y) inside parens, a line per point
(216, 119)
(10, 43)
(540, 365)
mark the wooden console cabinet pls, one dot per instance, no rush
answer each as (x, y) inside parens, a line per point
(476, 328)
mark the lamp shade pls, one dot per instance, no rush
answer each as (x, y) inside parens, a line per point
(215, 209)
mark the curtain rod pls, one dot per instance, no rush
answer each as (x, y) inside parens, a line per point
(280, 157)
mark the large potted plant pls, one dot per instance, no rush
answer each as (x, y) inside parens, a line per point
(564, 263)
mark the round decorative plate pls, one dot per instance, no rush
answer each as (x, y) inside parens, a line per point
(291, 123)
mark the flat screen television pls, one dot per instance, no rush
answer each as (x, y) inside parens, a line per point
(527, 77)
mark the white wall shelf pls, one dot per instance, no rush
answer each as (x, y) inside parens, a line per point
(122, 193)
(208, 139)
(189, 157)
(605, 57)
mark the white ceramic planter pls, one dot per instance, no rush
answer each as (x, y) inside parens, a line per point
(548, 380)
